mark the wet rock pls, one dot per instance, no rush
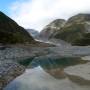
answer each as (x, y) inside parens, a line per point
(8, 72)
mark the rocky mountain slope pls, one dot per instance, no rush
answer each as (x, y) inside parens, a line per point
(76, 30)
(11, 32)
(51, 29)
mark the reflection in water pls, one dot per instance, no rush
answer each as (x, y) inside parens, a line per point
(38, 79)
(50, 75)
(79, 74)
(55, 66)
(79, 80)
(57, 72)
(55, 62)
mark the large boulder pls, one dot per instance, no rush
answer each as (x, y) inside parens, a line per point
(11, 32)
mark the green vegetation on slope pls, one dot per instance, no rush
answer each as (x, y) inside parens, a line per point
(84, 41)
(71, 33)
(11, 32)
(76, 30)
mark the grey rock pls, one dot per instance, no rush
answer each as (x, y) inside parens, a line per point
(8, 72)
(52, 28)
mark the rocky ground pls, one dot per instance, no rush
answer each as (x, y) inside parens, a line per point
(8, 72)
(13, 57)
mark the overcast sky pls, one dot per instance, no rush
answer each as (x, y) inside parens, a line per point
(36, 14)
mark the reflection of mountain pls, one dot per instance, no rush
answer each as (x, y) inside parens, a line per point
(55, 65)
(38, 79)
(54, 74)
(52, 62)
(79, 80)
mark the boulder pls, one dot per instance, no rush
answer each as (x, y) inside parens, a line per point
(8, 72)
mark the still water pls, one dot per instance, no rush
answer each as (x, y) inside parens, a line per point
(73, 77)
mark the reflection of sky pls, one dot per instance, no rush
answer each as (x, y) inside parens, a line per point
(38, 79)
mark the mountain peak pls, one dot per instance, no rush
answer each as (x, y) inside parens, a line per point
(79, 18)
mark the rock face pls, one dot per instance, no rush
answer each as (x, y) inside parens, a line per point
(8, 72)
(11, 32)
(49, 31)
(33, 32)
(79, 18)
(76, 30)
